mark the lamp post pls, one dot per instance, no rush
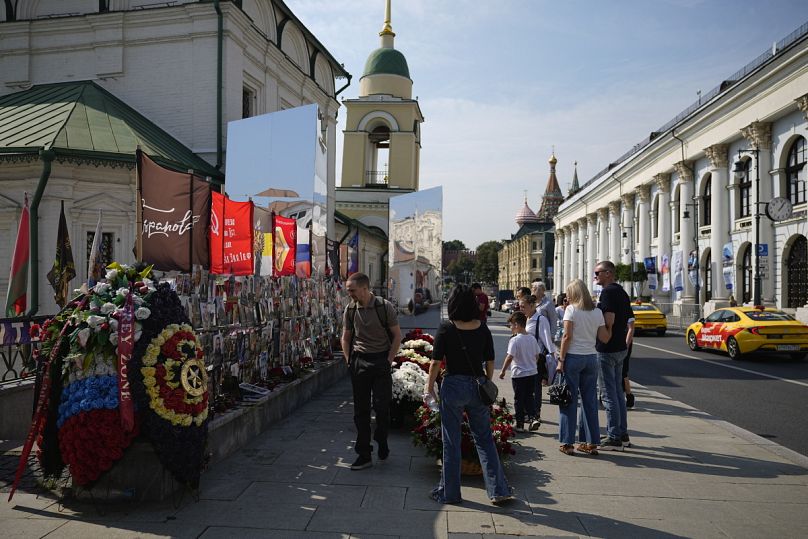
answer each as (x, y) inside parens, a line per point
(686, 215)
(631, 229)
(739, 170)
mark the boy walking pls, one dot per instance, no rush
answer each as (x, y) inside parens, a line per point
(522, 358)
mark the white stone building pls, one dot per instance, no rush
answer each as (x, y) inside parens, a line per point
(676, 191)
(186, 67)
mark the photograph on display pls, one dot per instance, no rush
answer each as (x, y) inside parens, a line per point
(416, 239)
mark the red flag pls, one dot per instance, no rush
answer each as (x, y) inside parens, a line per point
(231, 236)
(16, 298)
(126, 343)
(285, 237)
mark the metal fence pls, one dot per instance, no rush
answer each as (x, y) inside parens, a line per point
(17, 348)
(680, 315)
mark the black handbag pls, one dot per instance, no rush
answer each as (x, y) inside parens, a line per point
(559, 392)
(486, 388)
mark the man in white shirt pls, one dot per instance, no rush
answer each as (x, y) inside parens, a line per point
(544, 305)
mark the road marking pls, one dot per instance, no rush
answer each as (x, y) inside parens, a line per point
(718, 363)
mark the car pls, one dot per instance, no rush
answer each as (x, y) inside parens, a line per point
(510, 305)
(743, 330)
(647, 317)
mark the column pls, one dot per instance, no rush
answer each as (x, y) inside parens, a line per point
(574, 252)
(603, 234)
(759, 136)
(614, 231)
(567, 257)
(591, 243)
(582, 240)
(644, 219)
(664, 235)
(719, 225)
(558, 266)
(686, 238)
(629, 228)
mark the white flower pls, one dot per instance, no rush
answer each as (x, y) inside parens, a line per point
(137, 300)
(108, 308)
(113, 338)
(113, 324)
(122, 291)
(112, 274)
(83, 336)
(95, 321)
(102, 288)
(142, 313)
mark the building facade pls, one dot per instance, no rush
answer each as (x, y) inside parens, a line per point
(528, 255)
(186, 67)
(693, 195)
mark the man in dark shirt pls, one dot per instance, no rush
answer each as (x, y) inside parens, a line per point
(482, 301)
(370, 340)
(616, 307)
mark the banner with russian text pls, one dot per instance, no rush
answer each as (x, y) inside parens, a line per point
(175, 212)
(231, 236)
(285, 239)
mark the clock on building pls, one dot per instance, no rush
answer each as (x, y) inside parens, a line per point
(779, 209)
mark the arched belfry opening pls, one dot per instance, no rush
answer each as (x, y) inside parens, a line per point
(378, 152)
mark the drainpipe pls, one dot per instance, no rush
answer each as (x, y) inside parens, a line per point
(343, 88)
(47, 159)
(219, 76)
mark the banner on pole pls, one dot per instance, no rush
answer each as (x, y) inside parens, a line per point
(727, 265)
(678, 271)
(231, 236)
(651, 271)
(17, 293)
(665, 270)
(262, 241)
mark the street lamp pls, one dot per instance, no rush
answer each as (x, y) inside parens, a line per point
(686, 215)
(631, 229)
(739, 170)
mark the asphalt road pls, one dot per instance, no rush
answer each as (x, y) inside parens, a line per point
(766, 395)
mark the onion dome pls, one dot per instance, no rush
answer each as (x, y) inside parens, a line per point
(526, 215)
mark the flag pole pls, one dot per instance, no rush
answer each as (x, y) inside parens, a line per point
(138, 206)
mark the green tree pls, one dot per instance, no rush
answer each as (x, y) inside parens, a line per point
(458, 267)
(487, 267)
(454, 245)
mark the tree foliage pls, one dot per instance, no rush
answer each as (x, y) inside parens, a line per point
(454, 245)
(459, 266)
(487, 267)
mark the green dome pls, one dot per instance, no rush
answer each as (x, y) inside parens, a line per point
(388, 62)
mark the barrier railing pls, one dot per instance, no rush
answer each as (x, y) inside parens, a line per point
(17, 348)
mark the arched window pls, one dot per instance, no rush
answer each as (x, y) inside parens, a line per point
(745, 192)
(655, 217)
(705, 202)
(795, 172)
(746, 275)
(708, 276)
(797, 264)
(377, 172)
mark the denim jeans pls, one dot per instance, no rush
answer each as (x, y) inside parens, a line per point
(372, 385)
(524, 399)
(581, 374)
(459, 393)
(614, 400)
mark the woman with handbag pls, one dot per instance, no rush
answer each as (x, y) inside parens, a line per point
(578, 364)
(466, 344)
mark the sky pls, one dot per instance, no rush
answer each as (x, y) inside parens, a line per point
(502, 82)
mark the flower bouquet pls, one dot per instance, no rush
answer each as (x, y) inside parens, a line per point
(418, 333)
(409, 386)
(420, 346)
(427, 434)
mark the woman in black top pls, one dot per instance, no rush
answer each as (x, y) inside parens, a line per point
(458, 393)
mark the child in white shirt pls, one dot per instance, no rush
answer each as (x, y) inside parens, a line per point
(522, 359)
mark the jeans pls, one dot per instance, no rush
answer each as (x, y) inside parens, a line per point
(524, 399)
(459, 393)
(581, 374)
(614, 400)
(372, 383)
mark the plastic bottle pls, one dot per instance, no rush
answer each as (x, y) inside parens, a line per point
(431, 401)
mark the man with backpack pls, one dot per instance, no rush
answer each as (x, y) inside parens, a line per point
(370, 340)
(539, 327)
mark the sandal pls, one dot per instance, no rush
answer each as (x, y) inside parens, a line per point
(567, 449)
(589, 449)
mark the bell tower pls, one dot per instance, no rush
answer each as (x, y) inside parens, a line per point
(382, 136)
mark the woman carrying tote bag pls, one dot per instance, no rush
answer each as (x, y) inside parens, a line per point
(466, 344)
(578, 360)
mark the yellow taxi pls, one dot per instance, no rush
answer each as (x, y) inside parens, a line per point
(647, 317)
(742, 330)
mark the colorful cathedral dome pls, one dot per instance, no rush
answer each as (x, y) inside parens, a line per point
(526, 215)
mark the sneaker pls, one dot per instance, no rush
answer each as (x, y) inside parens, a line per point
(630, 400)
(625, 440)
(519, 428)
(496, 500)
(384, 451)
(610, 444)
(535, 424)
(361, 463)
(589, 449)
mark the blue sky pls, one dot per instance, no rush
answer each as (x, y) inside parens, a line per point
(500, 82)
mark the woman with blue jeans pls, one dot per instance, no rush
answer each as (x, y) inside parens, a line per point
(466, 344)
(583, 324)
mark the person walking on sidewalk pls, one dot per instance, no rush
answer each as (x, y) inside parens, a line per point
(466, 345)
(370, 340)
(539, 327)
(616, 307)
(583, 325)
(482, 302)
(522, 358)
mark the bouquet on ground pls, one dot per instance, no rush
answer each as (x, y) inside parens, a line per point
(427, 432)
(417, 334)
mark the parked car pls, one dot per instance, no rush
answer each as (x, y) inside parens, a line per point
(510, 305)
(647, 317)
(742, 330)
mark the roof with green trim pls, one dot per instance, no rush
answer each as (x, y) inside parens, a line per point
(81, 119)
(386, 61)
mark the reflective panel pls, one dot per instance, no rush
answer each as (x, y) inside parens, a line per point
(280, 161)
(415, 256)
